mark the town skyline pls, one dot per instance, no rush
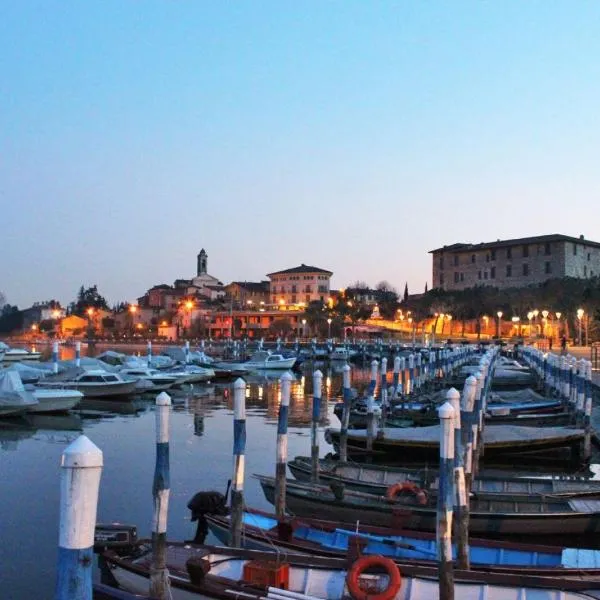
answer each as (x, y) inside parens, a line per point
(356, 137)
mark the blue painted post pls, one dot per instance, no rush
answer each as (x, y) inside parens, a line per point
(149, 353)
(467, 408)
(159, 576)
(278, 347)
(347, 395)
(383, 390)
(418, 371)
(281, 462)
(370, 422)
(411, 373)
(314, 429)
(239, 450)
(403, 376)
(186, 351)
(580, 387)
(81, 467)
(55, 357)
(445, 501)
(77, 354)
(373, 382)
(396, 375)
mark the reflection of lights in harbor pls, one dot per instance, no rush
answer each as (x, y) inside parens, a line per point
(247, 391)
(328, 382)
(260, 392)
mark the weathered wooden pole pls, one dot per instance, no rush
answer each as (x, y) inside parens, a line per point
(403, 376)
(396, 375)
(347, 395)
(411, 373)
(55, 357)
(445, 501)
(587, 420)
(383, 390)
(467, 408)
(373, 382)
(159, 576)
(370, 422)
(314, 428)
(281, 458)
(77, 354)
(239, 450)
(81, 467)
(186, 351)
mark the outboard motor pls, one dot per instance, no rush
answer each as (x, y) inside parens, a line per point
(206, 503)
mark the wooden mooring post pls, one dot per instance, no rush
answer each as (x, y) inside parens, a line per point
(445, 502)
(314, 428)
(281, 458)
(81, 468)
(77, 354)
(347, 396)
(239, 450)
(159, 576)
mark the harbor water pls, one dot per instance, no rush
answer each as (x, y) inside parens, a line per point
(201, 459)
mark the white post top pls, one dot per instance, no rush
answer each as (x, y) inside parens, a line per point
(383, 363)
(239, 384)
(163, 399)
(374, 363)
(239, 399)
(317, 375)
(317, 383)
(54, 346)
(286, 388)
(452, 395)
(446, 411)
(396, 363)
(149, 344)
(81, 454)
(471, 380)
(77, 345)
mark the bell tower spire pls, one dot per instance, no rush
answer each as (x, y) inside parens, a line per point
(202, 263)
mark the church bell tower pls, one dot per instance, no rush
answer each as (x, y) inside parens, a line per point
(202, 261)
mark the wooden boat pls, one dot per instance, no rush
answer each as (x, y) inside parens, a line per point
(231, 574)
(375, 479)
(546, 516)
(501, 442)
(262, 531)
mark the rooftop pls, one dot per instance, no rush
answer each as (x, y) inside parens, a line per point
(301, 269)
(539, 239)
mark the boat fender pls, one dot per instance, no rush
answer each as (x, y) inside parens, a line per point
(197, 567)
(366, 562)
(394, 490)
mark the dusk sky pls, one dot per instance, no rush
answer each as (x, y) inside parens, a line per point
(353, 136)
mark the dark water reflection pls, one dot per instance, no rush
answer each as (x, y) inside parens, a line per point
(201, 459)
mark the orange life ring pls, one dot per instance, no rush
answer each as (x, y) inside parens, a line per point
(406, 486)
(364, 563)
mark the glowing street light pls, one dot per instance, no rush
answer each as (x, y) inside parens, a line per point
(580, 312)
(499, 315)
(329, 328)
(530, 316)
(515, 321)
(303, 327)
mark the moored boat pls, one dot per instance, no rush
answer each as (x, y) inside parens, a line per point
(94, 383)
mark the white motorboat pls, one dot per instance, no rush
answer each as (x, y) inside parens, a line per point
(150, 380)
(14, 399)
(17, 354)
(341, 353)
(195, 374)
(54, 400)
(261, 360)
(94, 383)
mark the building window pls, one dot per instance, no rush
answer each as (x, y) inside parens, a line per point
(456, 260)
(455, 277)
(462, 276)
(307, 299)
(548, 268)
(585, 270)
(487, 258)
(485, 274)
(473, 259)
(493, 273)
(547, 249)
(293, 298)
(479, 275)
(574, 249)
(589, 256)
(525, 269)
(525, 250)
(509, 253)
(493, 255)
(441, 279)
(294, 290)
(509, 270)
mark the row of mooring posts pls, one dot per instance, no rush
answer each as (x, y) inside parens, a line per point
(461, 420)
(570, 380)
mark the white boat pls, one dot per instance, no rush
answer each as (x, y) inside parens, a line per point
(95, 383)
(14, 399)
(195, 374)
(54, 400)
(150, 380)
(17, 354)
(341, 353)
(261, 360)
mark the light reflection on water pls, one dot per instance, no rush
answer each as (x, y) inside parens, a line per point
(201, 459)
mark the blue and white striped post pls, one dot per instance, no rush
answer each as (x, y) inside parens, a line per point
(149, 352)
(77, 354)
(418, 372)
(580, 387)
(314, 428)
(403, 376)
(587, 419)
(347, 395)
(281, 462)
(373, 382)
(239, 450)
(81, 467)
(370, 422)
(383, 390)
(445, 501)
(55, 357)
(411, 373)
(396, 375)
(159, 576)
(186, 351)
(467, 408)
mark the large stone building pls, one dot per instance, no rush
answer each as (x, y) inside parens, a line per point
(514, 263)
(299, 285)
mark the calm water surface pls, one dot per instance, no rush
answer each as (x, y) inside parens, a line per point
(201, 459)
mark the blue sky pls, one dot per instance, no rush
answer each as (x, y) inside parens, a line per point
(354, 136)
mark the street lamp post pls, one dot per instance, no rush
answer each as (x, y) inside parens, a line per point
(499, 332)
(329, 328)
(536, 312)
(303, 327)
(530, 316)
(558, 315)
(515, 321)
(580, 312)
